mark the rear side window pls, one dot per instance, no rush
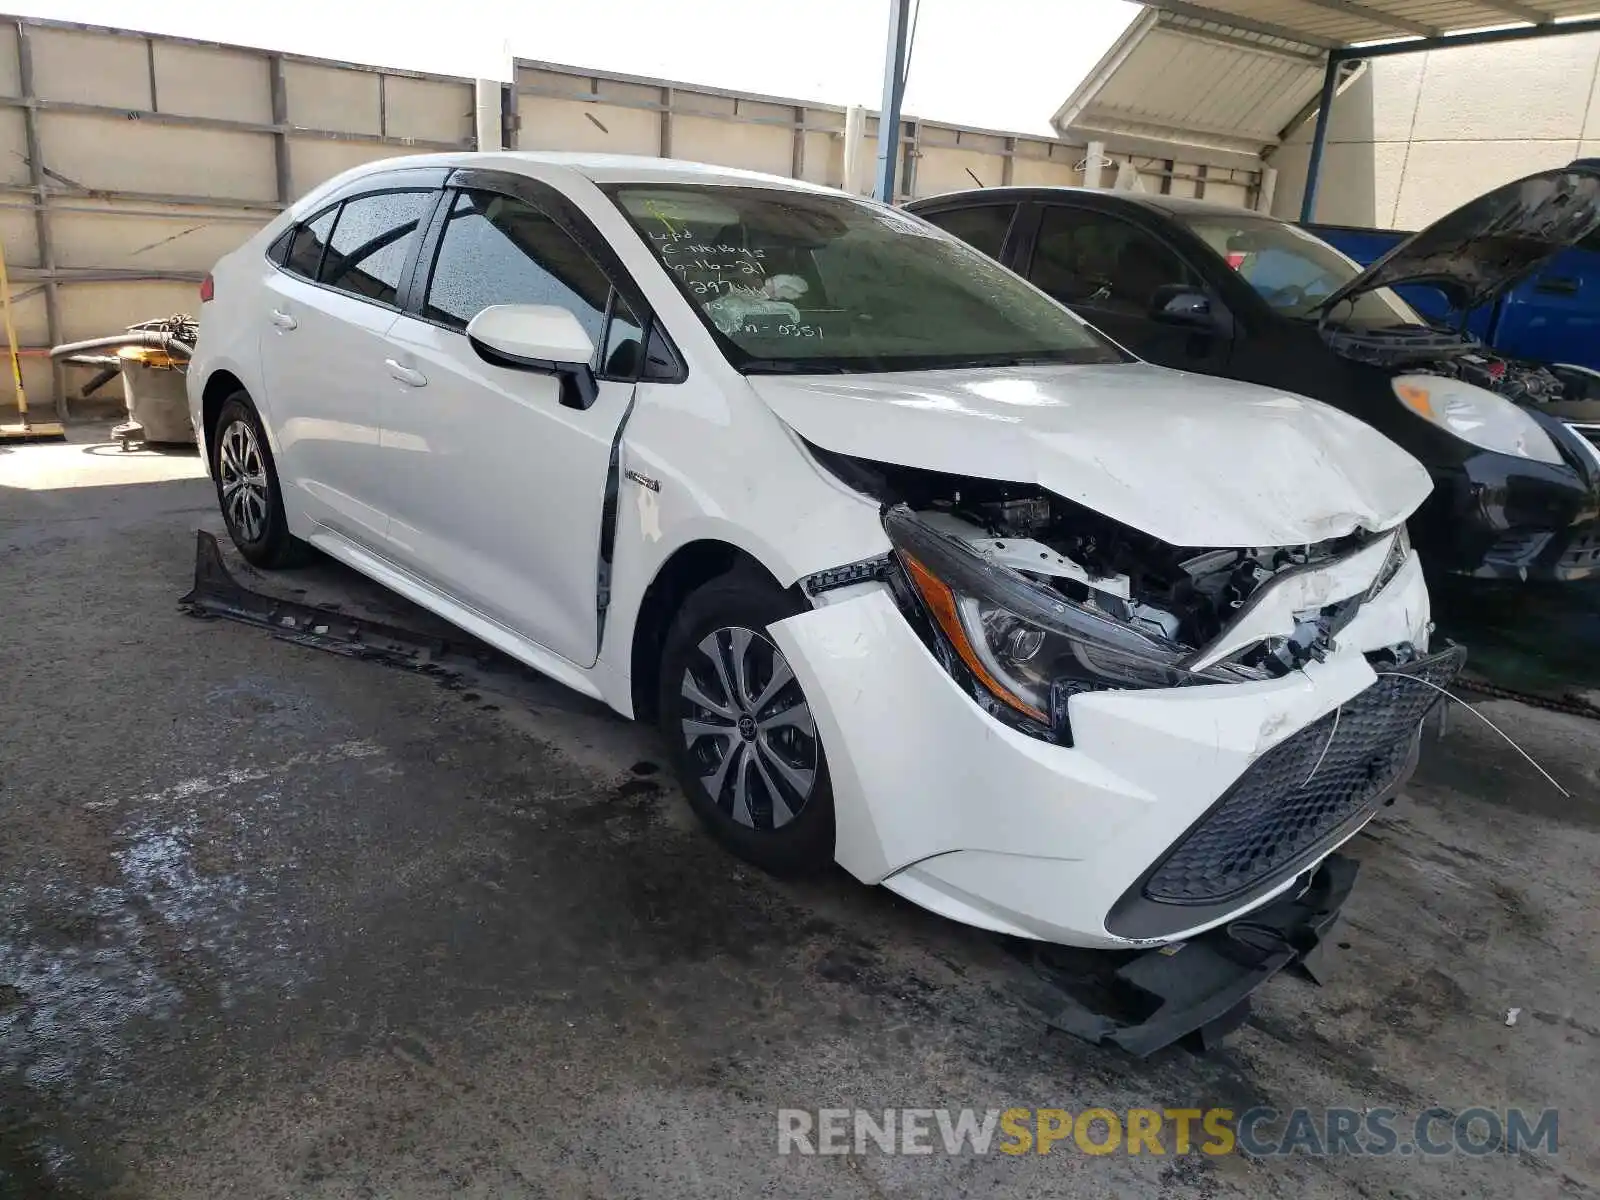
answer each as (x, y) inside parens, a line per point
(983, 227)
(500, 250)
(304, 255)
(371, 240)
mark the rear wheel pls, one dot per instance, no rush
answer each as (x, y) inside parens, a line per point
(247, 487)
(740, 728)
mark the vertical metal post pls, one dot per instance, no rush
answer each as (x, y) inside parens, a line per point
(1093, 163)
(855, 134)
(797, 145)
(280, 118)
(510, 115)
(894, 86)
(664, 133)
(41, 216)
(1319, 139)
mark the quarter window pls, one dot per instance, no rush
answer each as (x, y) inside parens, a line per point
(305, 248)
(371, 241)
(983, 226)
(500, 250)
(1101, 262)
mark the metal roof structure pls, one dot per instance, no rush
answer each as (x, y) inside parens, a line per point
(1230, 79)
(1338, 24)
(1176, 82)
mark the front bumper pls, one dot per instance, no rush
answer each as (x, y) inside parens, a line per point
(1495, 516)
(949, 808)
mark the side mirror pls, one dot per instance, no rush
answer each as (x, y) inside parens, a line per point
(1182, 304)
(543, 338)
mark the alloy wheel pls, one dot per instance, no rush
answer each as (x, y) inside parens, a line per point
(242, 481)
(748, 727)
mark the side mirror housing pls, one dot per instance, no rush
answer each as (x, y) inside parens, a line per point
(1182, 304)
(542, 338)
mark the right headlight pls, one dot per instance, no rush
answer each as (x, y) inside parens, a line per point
(1476, 415)
(1024, 648)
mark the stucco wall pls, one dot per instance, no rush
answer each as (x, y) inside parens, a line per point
(1420, 134)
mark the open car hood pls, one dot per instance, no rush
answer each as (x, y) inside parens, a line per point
(1490, 243)
(1189, 459)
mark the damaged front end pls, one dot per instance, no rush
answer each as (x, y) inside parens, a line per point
(1030, 599)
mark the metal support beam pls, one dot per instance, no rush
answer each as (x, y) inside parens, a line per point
(1319, 139)
(280, 139)
(797, 145)
(894, 87)
(41, 214)
(1479, 37)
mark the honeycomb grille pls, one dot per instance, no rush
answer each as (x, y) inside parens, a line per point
(1278, 812)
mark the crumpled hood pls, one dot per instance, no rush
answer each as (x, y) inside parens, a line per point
(1189, 459)
(1490, 243)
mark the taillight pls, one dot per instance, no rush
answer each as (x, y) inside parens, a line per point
(208, 289)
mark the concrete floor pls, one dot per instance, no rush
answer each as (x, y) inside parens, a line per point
(273, 923)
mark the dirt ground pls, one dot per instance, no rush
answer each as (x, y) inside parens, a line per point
(275, 923)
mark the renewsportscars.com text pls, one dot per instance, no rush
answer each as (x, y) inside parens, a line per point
(1259, 1132)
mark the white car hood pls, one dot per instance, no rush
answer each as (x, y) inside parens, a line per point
(1189, 459)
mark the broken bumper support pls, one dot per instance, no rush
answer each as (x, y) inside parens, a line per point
(463, 665)
(1203, 986)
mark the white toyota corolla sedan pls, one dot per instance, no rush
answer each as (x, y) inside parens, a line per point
(915, 571)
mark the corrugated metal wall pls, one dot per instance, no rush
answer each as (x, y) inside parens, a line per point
(129, 163)
(561, 108)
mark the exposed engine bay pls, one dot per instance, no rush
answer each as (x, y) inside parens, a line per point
(1428, 351)
(1186, 596)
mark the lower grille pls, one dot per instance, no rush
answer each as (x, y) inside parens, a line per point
(1517, 547)
(1278, 812)
(1581, 552)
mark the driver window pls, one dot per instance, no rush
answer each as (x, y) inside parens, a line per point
(499, 250)
(1091, 260)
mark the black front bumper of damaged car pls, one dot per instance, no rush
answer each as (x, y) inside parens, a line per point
(1497, 516)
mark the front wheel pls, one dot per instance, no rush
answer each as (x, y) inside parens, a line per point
(740, 729)
(247, 487)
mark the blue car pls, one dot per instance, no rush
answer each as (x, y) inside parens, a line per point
(1553, 316)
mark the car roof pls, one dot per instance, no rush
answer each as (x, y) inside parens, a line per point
(1172, 204)
(599, 168)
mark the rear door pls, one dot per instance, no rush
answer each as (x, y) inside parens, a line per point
(1107, 270)
(501, 488)
(328, 310)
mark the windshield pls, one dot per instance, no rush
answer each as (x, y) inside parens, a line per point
(799, 282)
(1294, 271)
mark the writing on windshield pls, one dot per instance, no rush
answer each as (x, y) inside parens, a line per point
(802, 281)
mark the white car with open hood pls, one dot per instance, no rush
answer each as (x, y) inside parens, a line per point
(915, 570)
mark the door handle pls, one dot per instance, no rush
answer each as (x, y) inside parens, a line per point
(405, 374)
(1557, 285)
(284, 320)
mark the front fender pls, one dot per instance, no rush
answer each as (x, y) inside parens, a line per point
(773, 504)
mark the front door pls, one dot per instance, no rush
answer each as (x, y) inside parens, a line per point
(327, 313)
(497, 488)
(1108, 270)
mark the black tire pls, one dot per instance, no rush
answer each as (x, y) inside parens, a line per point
(254, 514)
(745, 601)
